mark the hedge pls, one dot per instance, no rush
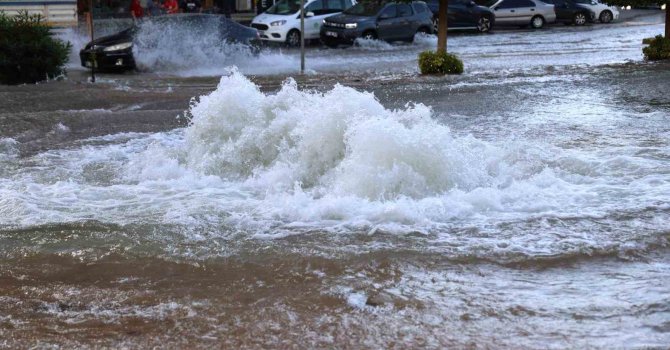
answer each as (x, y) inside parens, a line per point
(28, 52)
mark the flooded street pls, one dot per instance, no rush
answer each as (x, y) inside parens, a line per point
(524, 204)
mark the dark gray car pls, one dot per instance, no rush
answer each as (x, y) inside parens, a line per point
(389, 22)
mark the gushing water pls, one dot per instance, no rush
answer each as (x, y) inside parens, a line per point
(337, 161)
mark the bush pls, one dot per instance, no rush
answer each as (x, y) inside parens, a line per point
(28, 53)
(658, 49)
(439, 63)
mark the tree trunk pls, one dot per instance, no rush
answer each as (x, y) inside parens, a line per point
(442, 26)
(667, 19)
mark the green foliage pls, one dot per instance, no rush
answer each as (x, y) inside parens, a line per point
(658, 49)
(28, 52)
(431, 62)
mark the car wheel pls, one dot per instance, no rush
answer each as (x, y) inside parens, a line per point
(484, 24)
(369, 35)
(293, 38)
(435, 25)
(537, 22)
(579, 19)
(423, 30)
(606, 16)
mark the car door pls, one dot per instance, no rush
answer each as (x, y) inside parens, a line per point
(562, 10)
(386, 22)
(313, 23)
(456, 12)
(513, 12)
(406, 25)
(505, 12)
(525, 11)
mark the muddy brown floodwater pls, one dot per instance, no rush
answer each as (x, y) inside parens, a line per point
(517, 208)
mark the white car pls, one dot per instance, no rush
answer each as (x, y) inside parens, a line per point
(604, 13)
(281, 22)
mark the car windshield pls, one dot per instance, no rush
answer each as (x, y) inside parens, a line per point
(284, 7)
(364, 9)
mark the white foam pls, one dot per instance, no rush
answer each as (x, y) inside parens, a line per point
(9, 148)
(272, 165)
(372, 44)
(357, 300)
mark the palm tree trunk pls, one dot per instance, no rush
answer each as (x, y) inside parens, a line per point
(442, 26)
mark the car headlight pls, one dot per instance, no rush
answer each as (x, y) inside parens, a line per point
(278, 23)
(118, 47)
(350, 25)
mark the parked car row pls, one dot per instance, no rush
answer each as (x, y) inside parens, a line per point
(337, 22)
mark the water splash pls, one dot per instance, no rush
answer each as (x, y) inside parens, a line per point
(343, 142)
(198, 48)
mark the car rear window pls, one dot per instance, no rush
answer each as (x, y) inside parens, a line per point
(335, 5)
(419, 7)
(389, 11)
(509, 4)
(404, 10)
(364, 9)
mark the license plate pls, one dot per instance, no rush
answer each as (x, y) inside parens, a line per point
(89, 64)
(333, 34)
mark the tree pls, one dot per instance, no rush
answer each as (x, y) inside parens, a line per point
(442, 26)
(28, 51)
(647, 3)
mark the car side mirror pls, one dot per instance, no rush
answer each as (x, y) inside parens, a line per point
(471, 4)
(309, 14)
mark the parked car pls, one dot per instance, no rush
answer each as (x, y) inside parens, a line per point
(604, 13)
(116, 51)
(389, 22)
(464, 14)
(570, 12)
(523, 13)
(281, 22)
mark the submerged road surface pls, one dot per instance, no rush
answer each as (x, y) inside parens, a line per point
(524, 204)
